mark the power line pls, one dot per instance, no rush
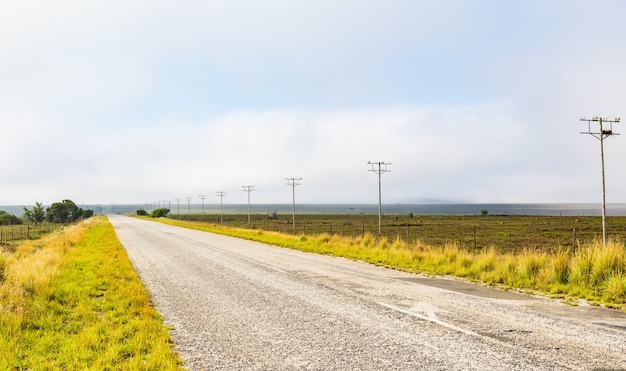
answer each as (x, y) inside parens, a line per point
(248, 188)
(379, 168)
(601, 134)
(293, 182)
(221, 195)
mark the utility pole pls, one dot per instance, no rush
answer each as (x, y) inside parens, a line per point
(248, 188)
(178, 202)
(221, 195)
(601, 134)
(293, 182)
(379, 168)
(202, 197)
(189, 198)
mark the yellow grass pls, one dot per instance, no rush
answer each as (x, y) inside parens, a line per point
(73, 301)
(593, 272)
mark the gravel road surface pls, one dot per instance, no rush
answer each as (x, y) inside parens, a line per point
(240, 305)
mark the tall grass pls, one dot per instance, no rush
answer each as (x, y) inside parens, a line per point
(593, 272)
(73, 301)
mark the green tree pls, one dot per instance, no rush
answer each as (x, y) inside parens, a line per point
(65, 211)
(159, 213)
(36, 215)
(9, 219)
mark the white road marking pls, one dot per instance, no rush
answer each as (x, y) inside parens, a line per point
(431, 317)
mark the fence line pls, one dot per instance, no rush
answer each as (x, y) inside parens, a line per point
(15, 233)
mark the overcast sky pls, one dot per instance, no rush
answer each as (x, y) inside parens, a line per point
(470, 101)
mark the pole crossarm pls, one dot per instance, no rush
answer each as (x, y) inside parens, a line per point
(603, 132)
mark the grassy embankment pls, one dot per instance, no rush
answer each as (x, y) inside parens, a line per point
(73, 301)
(593, 272)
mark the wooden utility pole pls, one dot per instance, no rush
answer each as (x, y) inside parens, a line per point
(604, 132)
(293, 182)
(248, 188)
(379, 168)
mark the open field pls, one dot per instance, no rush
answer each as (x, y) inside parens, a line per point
(73, 301)
(592, 271)
(472, 232)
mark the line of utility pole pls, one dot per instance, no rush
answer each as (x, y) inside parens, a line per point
(604, 132)
(248, 188)
(293, 182)
(379, 167)
(221, 195)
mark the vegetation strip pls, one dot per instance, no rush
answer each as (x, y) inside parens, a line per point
(593, 272)
(73, 301)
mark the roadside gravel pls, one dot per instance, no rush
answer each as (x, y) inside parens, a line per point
(235, 304)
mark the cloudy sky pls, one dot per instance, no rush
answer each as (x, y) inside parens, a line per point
(470, 101)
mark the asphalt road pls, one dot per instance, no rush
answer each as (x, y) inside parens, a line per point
(235, 305)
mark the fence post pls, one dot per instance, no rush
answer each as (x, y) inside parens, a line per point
(408, 239)
(474, 238)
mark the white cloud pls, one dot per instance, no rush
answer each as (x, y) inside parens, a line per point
(472, 101)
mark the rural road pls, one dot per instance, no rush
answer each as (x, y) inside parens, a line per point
(240, 305)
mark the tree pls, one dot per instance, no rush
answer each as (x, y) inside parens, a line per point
(159, 213)
(36, 215)
(9, 219)
(66, 211)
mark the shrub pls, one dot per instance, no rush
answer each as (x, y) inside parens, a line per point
(561, 268)
(615, 288)
(142, 212)
(160, 212)
(9, 219)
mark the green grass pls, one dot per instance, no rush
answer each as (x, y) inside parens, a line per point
(593, 272)
(73, 301)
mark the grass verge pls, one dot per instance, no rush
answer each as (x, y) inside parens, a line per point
(73, 301)
(593, 272)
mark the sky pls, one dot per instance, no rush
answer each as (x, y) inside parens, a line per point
(478, 101)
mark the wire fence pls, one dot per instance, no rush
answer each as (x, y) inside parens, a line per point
(13, 234)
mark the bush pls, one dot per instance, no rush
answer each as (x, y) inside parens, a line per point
(159, 213)
(142, 212)
(9, 219)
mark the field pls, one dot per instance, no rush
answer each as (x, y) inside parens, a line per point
(531, 254)
(504, 233)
